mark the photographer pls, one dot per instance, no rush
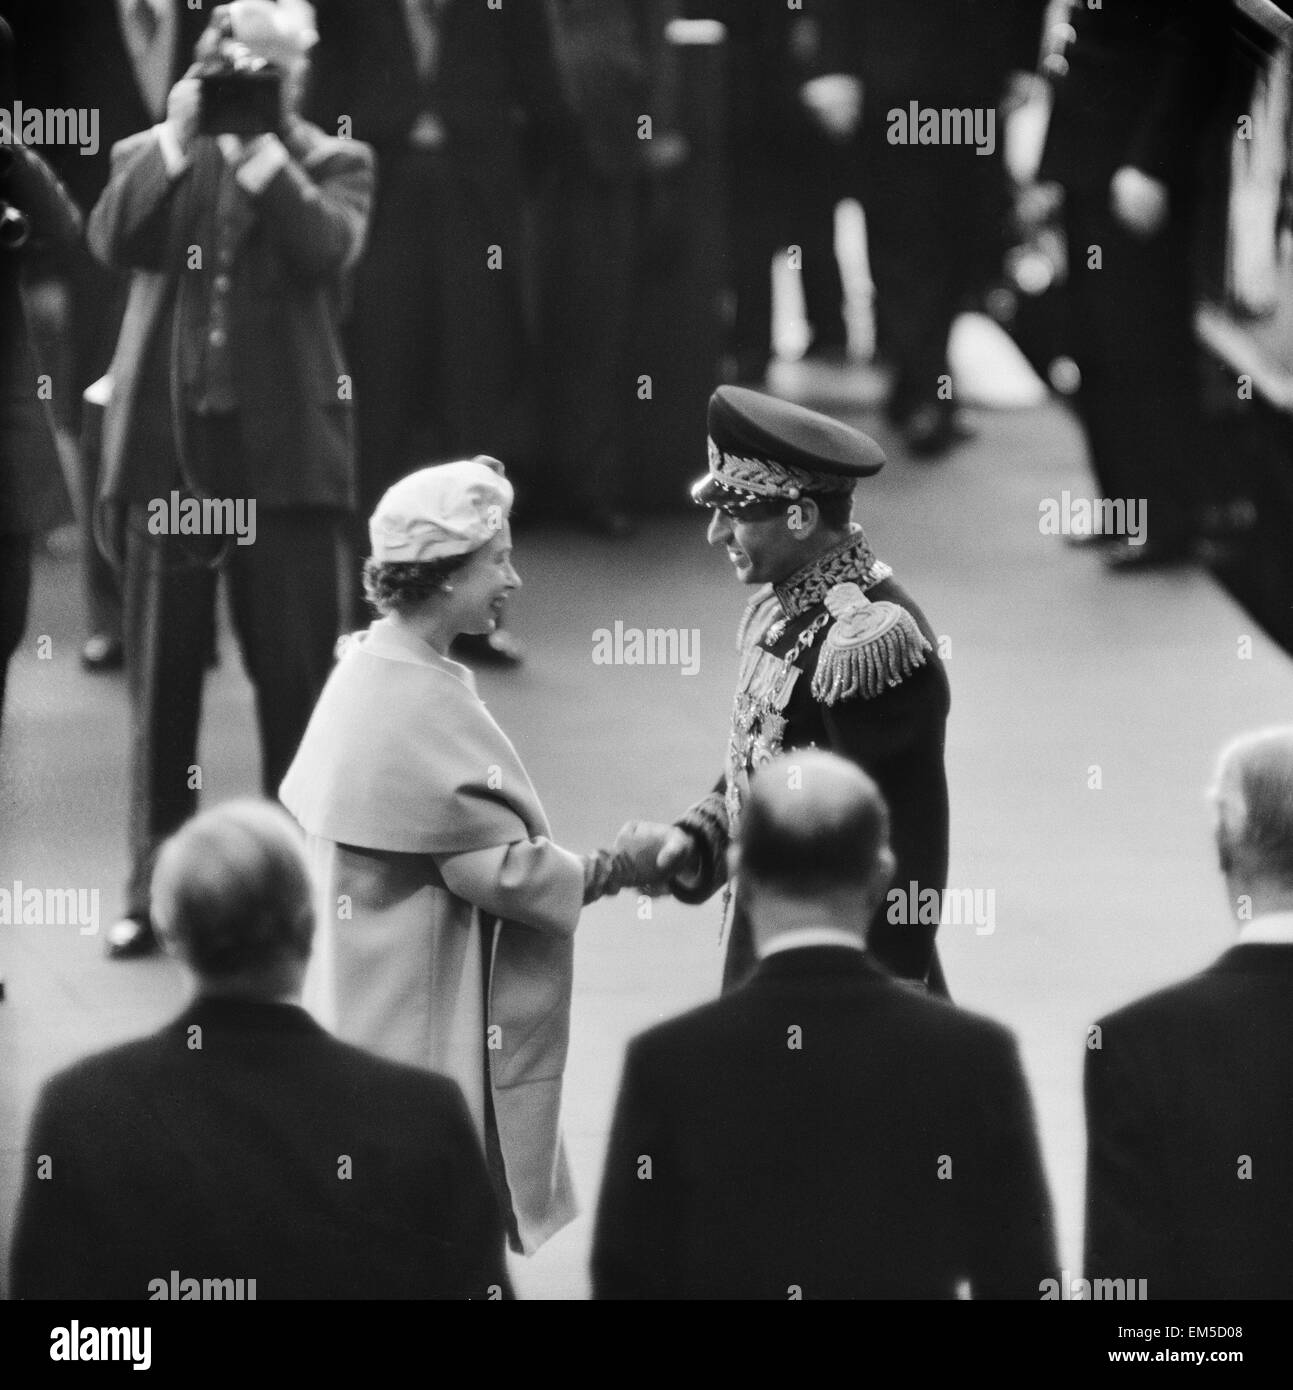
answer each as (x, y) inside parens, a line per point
(239, 223)
(34, 208)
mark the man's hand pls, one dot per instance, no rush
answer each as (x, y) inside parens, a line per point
(1139, 202)
(183, 110)
(652, 854)
(678, 857)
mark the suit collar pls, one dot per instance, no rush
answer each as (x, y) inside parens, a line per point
(816, 962)
(1259, 958)
(246, 1016)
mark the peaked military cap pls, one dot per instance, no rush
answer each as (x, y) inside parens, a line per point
(762, 448)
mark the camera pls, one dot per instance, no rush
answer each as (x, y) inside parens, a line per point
(241, 93)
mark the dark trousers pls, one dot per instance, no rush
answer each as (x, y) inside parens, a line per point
(15, 591)
(437, 339)
(1133, 339)
(927, 208)
(589, 265)
(774, 208)
(284, 592)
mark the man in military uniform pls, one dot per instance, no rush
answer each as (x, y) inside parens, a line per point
(834, 654)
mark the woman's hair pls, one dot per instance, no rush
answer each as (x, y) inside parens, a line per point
(392, 586)
(232, 891)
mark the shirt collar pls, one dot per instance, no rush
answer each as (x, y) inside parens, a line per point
(852, 560)
(796, 937)
(1270, 929)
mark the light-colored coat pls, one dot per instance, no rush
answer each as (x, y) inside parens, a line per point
(421, 820)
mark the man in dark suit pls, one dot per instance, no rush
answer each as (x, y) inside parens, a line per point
(1130, 112)
(460, 100)
(786, 174)
(825, 1131)
(118, 59)
(1189, 1118)
(834, 654)
(242, 1142)
(32, 494)
(933, 209)
(228, 383)
(613, 59)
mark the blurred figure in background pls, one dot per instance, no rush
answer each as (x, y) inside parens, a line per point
(34, 208)
(242, 1145)
(786, 174)
(228, 383)
(119, 59)
(1189, 1118)
(1124, 142)
(461, 101)
(933, 207)
(615, 67)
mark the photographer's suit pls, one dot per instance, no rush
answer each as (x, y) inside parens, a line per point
(230, 331)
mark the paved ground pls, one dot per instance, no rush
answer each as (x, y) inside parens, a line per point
(1058, 672)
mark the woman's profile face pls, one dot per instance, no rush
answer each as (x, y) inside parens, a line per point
(482, 586)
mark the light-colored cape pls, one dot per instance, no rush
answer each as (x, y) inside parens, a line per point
(419, 817)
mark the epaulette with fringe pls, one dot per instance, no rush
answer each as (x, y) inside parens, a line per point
(869, 648)
(761, 614)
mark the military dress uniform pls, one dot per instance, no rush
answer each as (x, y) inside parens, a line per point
(836, 655)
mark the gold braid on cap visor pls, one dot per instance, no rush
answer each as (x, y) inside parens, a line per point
(757, 478)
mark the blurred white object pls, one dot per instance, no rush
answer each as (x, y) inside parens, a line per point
(1258, 167)
(695, 31)
(1140, 202)
(988, 369)
(1025, 129)
(835, 102)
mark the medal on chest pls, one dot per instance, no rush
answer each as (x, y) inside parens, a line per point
(763, 691)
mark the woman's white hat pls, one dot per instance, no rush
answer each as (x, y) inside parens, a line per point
(438, 512)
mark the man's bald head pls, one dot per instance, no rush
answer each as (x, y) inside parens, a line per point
(1253, 796)
(815, 831)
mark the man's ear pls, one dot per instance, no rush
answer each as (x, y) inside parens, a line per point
(881, 875)
(803, 518)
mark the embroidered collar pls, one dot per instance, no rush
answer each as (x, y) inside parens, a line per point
(851, 560)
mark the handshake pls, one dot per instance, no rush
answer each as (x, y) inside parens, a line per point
(646, 856)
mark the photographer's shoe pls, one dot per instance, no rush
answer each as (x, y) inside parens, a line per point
(131, 938)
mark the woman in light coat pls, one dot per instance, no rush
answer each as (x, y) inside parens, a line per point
(445, 934)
